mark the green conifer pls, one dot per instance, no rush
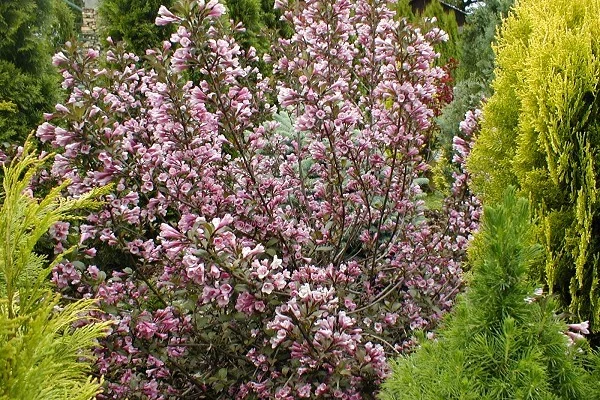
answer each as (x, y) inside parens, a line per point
(404, 10)
(502, 341)
(28, 31)
(132, 21)
(475, 70)
(446, 21)
(541, 132)
(42, 355)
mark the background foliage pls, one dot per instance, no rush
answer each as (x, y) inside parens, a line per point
(28, 85)
(448, 49)
(475, 70)
(132, 21)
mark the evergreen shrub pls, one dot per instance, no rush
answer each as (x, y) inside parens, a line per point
(503, 340)
(28, 29)
(45, 346)
(540, 132)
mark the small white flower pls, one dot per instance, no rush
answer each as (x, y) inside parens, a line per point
(304, 291)
(268, 288)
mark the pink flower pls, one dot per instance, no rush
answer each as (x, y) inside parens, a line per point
(93, 271)
(92, 54)
(165, 17)
(262, 271)
(582, 327)
(219, 223)
(60, 108)
(196, 273)
(249, 252)
(321, 389)
(59, 58)
(245, 303)
(575, 336)
(215, 9)
(304, 391)
(45, 132)
(168, 232)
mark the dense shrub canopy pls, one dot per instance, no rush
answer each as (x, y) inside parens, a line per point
(253, 250)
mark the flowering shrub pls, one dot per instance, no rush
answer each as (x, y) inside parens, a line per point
(251, 249)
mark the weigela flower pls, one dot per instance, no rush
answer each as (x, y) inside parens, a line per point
(166, 17)
(582, 327)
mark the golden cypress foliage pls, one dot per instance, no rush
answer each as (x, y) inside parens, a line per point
(540, 131)
(42, 355)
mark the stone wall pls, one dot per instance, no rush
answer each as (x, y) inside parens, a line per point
(89, 26)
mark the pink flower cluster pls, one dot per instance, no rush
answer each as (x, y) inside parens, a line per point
(464, 203)
(252, 249)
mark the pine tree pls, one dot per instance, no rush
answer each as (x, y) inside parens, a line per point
(42, 355)
(502, 341)
(62, 25)
(540, 131)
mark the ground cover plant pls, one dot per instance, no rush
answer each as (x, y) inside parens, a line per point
(266, 237)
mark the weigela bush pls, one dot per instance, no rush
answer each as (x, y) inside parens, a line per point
(267, 238)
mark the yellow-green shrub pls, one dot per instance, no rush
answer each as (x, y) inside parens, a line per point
(42, 355)
(540, 132)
